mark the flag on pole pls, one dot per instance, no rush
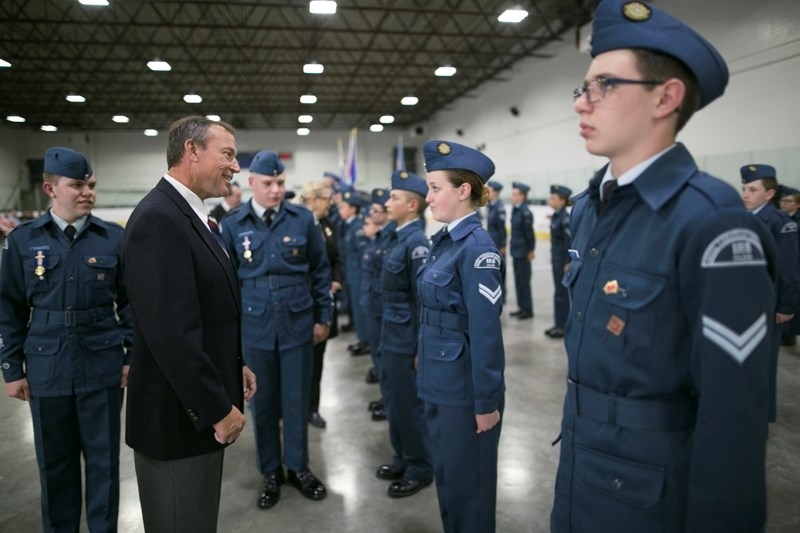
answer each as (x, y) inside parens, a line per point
(340, 148)
(400, 158)
(352, 155)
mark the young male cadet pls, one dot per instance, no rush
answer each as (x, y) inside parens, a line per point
(671, 283)
(496, 223)
(372, 261)
(759, 187)
(411, 467)
(523, 246)
(353, 243)
(65, 325)
(279, 253)
(560, 243)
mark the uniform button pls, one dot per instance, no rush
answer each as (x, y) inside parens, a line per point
(594, 252)
(435, 275)
(69, 308)
(39, 349)
(616, 483)
(249, 308)
(6, 366)
(71, 278)
(441, 353)
(195, 418)
(579, 316)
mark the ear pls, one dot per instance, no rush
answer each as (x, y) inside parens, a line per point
(671, 94)
(49, 189)
(770, 194)
(464, 191)
(190, 148)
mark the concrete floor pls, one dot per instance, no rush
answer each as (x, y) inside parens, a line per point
(346, 454)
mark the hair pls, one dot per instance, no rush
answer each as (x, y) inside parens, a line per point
(47, 177)
(771, 184)
(564, 197)
(193, 128)
(654, 65)
(313, 189)
(479, 193)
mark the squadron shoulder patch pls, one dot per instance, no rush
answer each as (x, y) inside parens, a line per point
(488, 260)
(419, 252)
(737, 345)
(789, 227)
(734, 248)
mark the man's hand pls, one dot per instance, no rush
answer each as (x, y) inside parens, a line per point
(19, 389)
(502, 251)
(249, 383)
(123, 382)
(229, 428)
(780, 318)
(321, 332)
(487, 421)
(336, 286)
(531, 255)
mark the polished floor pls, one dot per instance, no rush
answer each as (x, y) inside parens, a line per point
(346, 454)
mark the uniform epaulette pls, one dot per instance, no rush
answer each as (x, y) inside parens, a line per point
(716, 191)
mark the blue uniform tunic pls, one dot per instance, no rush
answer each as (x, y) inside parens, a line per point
(371, 291)
(71, 353)
(496, 227)
(665, 416)
(560, 243)
(353, 244)
(460, 371)
(287, 272)
(523, 241)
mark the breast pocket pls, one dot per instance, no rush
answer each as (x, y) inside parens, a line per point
(438, 285)
(248, 251)
(627, 311)
(38, 279)
(99, 270)
(293, 249)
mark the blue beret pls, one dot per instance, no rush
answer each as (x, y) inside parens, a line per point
(622, 24)
(496, 185)
(446, 155)
(560, 189)
(267, 163)
(334, 177)
(68, 163)
(521, 186)
(757, 172)
(379, 196)
(352, 197)
(404, 180)
(784, 190)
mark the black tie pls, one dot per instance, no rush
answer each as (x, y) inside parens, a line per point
(608, 186)
(70, 232)
(269, 215)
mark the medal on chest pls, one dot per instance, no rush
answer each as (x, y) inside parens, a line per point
(39, 270)
(247, 254)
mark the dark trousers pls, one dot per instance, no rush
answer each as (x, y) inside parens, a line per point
(387, 394)
(316, 376)
(64, 427)
(775, 346)
(560, 296)
(180, 495)
(406, 414)
(465, 467)
(522, 284)
(373, 325)
(284, 383)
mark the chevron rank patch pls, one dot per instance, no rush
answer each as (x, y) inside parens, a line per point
(488, 260)
(489, 294)
(734, 248)
(789, 227)
(419, 252)
(737, 345)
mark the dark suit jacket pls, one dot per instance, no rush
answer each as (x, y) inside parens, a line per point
(186, 371)
(218, 212)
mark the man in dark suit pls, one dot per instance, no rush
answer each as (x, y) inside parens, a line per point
(185, 383)
(228, 203)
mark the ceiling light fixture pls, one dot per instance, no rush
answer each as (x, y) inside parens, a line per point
(409, 100)
(4, 63)
(308, 99)
(376, 128)
(100, 3)
(48, 127)
(322, 7)
(305, 119)
(303, 131)
(387, 119)
(192, 98)
(150, 132)
(157, 65)
(445, 71)
(513, 16)
(75, 98)
(215, 118)
(15, 118)
(120, 119)
(313, 68)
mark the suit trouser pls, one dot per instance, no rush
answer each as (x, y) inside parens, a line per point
(522, 284)
(284, 383)
(405, 415)
(560, 296)
(179, 495)
(465, 467)
(63, 428)
(316, 376)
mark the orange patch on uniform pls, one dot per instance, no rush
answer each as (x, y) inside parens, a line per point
(611, 287)
(615, 325)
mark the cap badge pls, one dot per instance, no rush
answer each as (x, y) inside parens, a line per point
(404, 175)
(636, 11)
(443, 148)
(379, 193)
(751, 168)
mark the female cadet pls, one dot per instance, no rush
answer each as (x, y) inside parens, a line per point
(461, 359)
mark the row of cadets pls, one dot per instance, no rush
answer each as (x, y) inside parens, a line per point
(790, 202)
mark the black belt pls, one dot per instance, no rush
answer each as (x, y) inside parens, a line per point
(396, 296)
(71, 317)
(443, 319)
(635, 413)
(275, 281)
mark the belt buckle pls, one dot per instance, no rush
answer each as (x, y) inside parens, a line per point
(273, 282)
(69, 318)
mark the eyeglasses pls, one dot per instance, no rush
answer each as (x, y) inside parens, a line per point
(596, 89)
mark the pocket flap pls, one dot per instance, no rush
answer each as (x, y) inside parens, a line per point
(300, 304)
(395, 267)
(102, 341)
(572, 272)
(42, 345)
(100, 261)
(636, 483)
(253, 303)
(294, 240)
(627, 288)
(440, 278)
(444, 349)
(49, 262)
(397, 312)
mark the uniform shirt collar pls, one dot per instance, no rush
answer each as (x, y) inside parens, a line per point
(61, 223)
(464, 226)
(194, 201)
(758, 209)
(630, 176)
(259, 209)
(452, 225)
(398, 228)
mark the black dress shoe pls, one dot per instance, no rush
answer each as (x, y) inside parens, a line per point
(556, 333)
(788, 340)
(346, 328)
(375, 404)
(548, 331)
(407, 487)
(524, 314)
(307, 483)
(316, 420)
(389, 472)
(378, 415)
(270, 492)
(515, 313)
(372, 376)
(363, 349)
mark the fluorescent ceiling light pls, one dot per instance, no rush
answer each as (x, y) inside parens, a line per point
(305, 119)
(157, 65)
(303, 131)
(387, 119)
(308, 99)
(376, 128)
(322, 7)
(409, 100)
(120, 119)
(4, 63)
(192, 98)
(313, 68)
(75, 98)
(48, 127)
(15, 118)
(215, 118)
(513, 16)
(445, 71)
(151, 132)
(94, 2)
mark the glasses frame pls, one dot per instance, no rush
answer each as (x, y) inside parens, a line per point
(600, 86)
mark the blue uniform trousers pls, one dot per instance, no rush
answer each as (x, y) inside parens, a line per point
(284, 384)
(63, 428)
(372, 323)
(775, 346)
(387, 392)
(560, 296)
(465, 467)
(522, 284)
(405, 415)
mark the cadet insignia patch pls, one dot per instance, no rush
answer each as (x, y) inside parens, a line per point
(737, 345)
(419, 252)
(91, 260)
(636, 11)
(489, 294)
(615, 325)
(101, 276)
(611, 287)
(734, 248)
(403, 175)
(488, 260)
(789, 227)
(443, 148)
